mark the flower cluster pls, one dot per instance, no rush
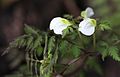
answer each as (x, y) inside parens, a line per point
(86, 26)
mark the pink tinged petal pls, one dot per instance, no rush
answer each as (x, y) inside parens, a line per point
(86, 28)
(89, 12)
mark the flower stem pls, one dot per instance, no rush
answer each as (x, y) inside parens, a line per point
(80, 37)
(45, 48)
(94, 41)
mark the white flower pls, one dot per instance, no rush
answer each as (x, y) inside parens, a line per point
(58, 24)
(87, 26)
(87, 13)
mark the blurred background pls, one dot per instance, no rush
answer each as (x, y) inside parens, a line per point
(15, 13)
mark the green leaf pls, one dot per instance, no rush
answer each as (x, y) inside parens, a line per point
(29, 42)
(31, 47)
(104, 53)
(103, 49)
(37, 43)
(105, 26)
(63, 48)
(24, 43)
(51, 44)
(70, 29)
(103, 44)
(75, 51)
(55, 56)
(21, 42)
(107, 50)
(39, 51)
(68, 16)
(15, 43)
(93, 64)
(65, 32)
(114, 53)
(29, 30)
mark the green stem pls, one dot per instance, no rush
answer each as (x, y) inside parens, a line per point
(35, 65)
(28, 64)
(45, 48)
(31, 63)
(36, 71)
(33, 60)
(80, 37)
(94, 41)
(56, 53)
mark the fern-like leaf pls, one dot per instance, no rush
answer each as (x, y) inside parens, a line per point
(114, 53)
(51, 44)
(29, 30)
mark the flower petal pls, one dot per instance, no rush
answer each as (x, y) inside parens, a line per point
(58, 24)
(54, 22)
(89, 12)
(59, 28)
(86, 28)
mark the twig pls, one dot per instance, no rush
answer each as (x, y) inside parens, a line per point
(67, 65)
(117, 42)
(81, 60)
